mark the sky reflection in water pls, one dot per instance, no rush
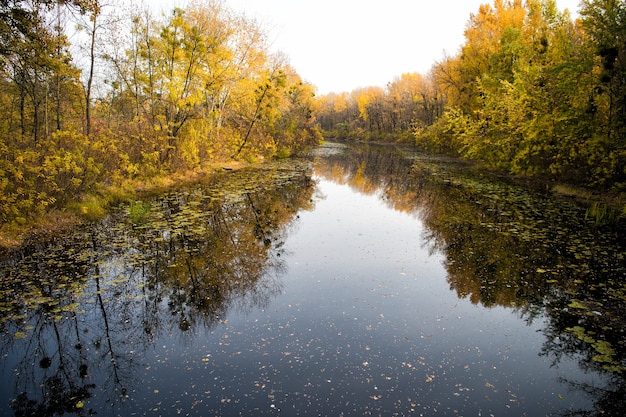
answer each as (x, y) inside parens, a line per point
(354, 315)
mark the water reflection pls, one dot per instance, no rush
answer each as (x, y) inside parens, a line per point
(89, 307)
(110, 319)
(506, 245)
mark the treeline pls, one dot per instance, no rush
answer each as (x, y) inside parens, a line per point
(531, 91)
(154, 95)
(376, 113)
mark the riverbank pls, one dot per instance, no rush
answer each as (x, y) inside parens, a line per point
(603, 206)
(97, 205)
(359, 271)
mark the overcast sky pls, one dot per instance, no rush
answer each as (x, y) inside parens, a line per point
(340, 45)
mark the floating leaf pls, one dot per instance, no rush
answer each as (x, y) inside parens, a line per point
(577, 304)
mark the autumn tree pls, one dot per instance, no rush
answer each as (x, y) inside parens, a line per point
(41, 165)
(204, 81)
(177, 92)
(535, 93)
(605, 23)
(293, 127)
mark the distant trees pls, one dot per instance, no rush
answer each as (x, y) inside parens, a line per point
(156, 96)
(408, 102)
(531, 91)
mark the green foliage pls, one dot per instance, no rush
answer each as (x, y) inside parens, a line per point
(90, 207)
(605, 23)
(549, 98)
(453, 132)
(138, 211)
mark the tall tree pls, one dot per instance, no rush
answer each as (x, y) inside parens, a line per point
(93, 18)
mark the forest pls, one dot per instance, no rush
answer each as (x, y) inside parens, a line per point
(99, 101)
(134, 97)
(532, 91)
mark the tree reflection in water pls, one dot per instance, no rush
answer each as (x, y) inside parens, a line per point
(79, 313)
(507, 245)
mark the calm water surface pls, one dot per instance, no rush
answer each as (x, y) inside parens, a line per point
(368, 281)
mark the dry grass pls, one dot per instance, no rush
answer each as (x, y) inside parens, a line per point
(52, 224)
(571, 191)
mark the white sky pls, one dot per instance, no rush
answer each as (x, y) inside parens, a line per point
(341, 45)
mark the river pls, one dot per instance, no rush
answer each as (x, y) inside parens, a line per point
(364, 280)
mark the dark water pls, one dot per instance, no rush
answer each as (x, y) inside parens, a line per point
(367, 281)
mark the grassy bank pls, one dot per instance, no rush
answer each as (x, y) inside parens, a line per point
(96, 205)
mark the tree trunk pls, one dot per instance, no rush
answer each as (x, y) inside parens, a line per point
(92, 58)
